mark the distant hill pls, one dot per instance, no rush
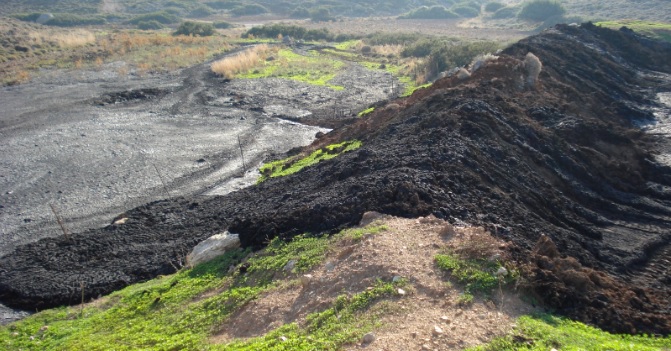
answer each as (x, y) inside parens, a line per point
(651, 10)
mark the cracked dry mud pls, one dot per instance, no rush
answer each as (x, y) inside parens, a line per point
(563, 171)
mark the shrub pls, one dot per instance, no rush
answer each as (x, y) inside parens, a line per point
(161, 17)
(200, 29)
(296, 32)
(494, 6)
(223, 5)
(222, 25)
(465, 11)
(321, 14)
(150, 25)
(300, 12)
(201, 11)
(434, 12)
(505, 12)
(249, 10)
(540, 10)
(27, 17)
(421, 48)
(70, 20)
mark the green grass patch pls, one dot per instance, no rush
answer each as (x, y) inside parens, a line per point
(313, 69)
(344, 323)
(181, 311)
(478, 275)
(293, 164)
(657, 30)
(545, 332)
(366, 112)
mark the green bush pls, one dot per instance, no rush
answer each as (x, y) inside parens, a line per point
(296, 32)
(249, 10)
(494, 6)
(321, 14)
(162, 17)
(223, 4)
(199, 29)
(421, 48)
(433, 12)
(27, 17)
(459, 55)
(300, 12)
(505, 12)
(70, 20)
(540, 10)
(201, 11)
(150, 25)
(465, 11)
(222, 25)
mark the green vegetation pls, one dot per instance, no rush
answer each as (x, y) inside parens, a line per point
(181, 311)
(222, 25)
(541, 10)
(366, 112)
(162, 17)
(314, 69)
(249, 10)
(64, 19)
(478, 275)
(657, 30)
(198, 29)
(545, 332)
(294, 164)
(273, 31)
(150, 25)
(433, 12)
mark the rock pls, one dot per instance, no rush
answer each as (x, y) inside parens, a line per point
(369, 217)
(212, 247)
(283, 338)
(502, 272)
(396, 279)
(368, 338)
(330, 266)
(290, 265)
(306, 279)
(445, 319)
(401, 292)
(437, 330)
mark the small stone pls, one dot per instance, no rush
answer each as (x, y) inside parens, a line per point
(413, 334)
(330, 266)
(290, 265)
(368, 338)
(502, 272)
(426, 347)
(44, 328)
(305, 280)
(283, 338)
(437, 330)
(396, 279)
(444, 319)
(401, 292)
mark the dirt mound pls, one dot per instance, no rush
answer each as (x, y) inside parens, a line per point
(564, 158)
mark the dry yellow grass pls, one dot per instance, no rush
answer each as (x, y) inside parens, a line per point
(242, 62)
(70, 39)
(388, 50)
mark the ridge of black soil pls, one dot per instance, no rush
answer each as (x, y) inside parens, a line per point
(562, 163)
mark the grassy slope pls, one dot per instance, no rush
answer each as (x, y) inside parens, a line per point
(181, 311)
(661, 31)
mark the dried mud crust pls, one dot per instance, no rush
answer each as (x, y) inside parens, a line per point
(564, 159)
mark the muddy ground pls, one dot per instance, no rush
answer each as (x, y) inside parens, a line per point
(562, 170)
(94, 144)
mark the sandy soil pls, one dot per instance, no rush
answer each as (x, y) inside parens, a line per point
(407, 249)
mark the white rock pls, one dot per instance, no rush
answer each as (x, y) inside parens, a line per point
(212, 247)
(502, 272)
(401, 292)
(437, 330)
(283, 338)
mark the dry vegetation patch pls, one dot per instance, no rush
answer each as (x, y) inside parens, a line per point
(405, 250)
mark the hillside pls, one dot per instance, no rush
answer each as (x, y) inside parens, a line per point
(563, 162)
